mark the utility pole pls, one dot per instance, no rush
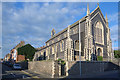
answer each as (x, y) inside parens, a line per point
(80, 48)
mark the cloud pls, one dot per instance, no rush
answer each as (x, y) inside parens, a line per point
(113, 22)
(114, 32)
(113, 17)
(33, 22)
(114, 36)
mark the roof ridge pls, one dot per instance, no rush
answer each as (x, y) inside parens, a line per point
(94, 10)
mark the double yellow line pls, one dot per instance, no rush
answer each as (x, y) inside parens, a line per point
(30, 74)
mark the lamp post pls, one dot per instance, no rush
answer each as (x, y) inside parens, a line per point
(79, 48)
(112, 55)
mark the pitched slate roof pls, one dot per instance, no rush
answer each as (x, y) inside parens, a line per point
(82, 19)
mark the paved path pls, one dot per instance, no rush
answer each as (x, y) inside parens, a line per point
(36, 75)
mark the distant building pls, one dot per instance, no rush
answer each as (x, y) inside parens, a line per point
(7, 57)
(12, 56)
(20, 58)
(22, 43)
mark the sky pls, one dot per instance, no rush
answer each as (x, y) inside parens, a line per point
(32, 22)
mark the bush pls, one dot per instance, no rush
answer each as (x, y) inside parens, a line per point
(60, 61)
(117, 53)
(87, 60)
(99, 58)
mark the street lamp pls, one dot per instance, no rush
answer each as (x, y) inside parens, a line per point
(80, 48)
(112, 55)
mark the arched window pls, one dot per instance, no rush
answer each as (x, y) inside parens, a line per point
(99, 52)
(99, 32)
(46, 51)
(62, 46)
(77, 45)
(53, 50)
(56, 47)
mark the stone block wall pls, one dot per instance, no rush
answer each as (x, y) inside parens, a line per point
(73, 68)
(89, 67)
(42, 67)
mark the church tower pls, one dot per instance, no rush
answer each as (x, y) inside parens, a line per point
(69, 53)
(88, 49)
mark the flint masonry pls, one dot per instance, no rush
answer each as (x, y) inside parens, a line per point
(94, 39)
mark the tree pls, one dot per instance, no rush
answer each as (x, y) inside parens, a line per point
(27, 50)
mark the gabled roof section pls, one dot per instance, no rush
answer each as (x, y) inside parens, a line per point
(98, 8)
(82, 19)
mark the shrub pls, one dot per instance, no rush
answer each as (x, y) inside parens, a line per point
(87, 60)
(99, 58)
(117, 53)
(60, 61)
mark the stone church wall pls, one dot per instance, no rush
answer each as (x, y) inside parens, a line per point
(98, 18)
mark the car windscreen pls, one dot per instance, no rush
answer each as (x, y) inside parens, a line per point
(16, 65)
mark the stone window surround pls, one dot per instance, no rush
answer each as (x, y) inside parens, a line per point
(102, 32)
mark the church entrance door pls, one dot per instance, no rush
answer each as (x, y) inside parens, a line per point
(99, 52)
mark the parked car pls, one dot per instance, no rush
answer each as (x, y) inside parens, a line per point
(17, 66)
(10, 64)
(7, 63)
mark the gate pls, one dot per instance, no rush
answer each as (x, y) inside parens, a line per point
(63, 70)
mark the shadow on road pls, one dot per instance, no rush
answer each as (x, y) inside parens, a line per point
(8, 73)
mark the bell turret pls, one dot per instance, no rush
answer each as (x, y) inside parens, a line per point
(52, 32)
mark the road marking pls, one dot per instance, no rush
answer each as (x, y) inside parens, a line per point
(30, 74)
(23, 76)
(12, 74)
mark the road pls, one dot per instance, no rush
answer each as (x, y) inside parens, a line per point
(8, 73)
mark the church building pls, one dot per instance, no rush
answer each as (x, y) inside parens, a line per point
(84, 38)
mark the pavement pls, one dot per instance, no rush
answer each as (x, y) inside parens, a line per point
(115, 74)
(35, 74)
